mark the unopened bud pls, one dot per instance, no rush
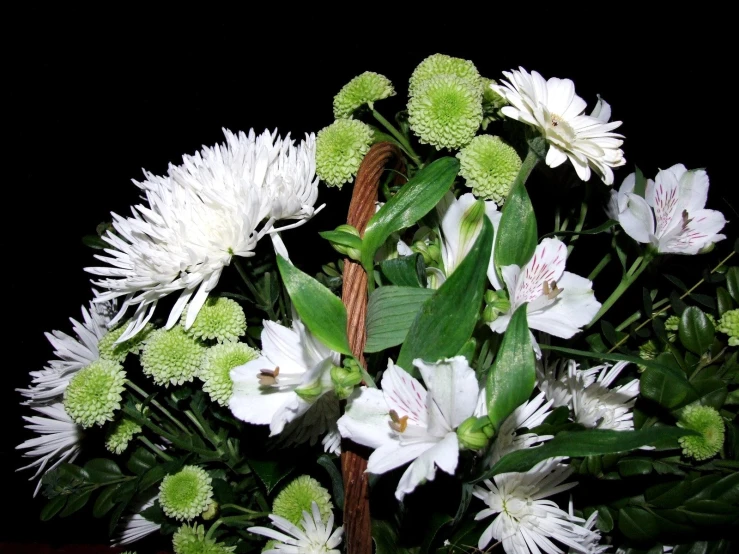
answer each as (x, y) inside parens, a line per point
(348, 251)
(211, 512)
(474, 433)
(345, 378)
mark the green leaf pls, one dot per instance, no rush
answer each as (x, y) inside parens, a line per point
(723, 300)
(711, 392)
(444, 324)
(732, 282)
(53, 507)
(709, 512)
(76, 501)
(103, 471)
(696, 331)
(141, 461)
(700, 547)
(342, 238)
(390, 313)
(95, 242)
(414, 200)
(605, 356)
(513, 375)
(602, 228)
(637, 523)
(337, 483)
(153, 476)
(321, 310)
(605, 519)
(386, 538)
(105, 500)
(640, 185)
(630, 467)
(271, 472)
(431, 531)
(517, 234)
(405, 271)
(666, 385)
(592, 442)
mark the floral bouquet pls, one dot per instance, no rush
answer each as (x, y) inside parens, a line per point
(497, 358)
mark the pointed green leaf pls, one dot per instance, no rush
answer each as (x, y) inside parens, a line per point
(414, 200)
(342, 238)
(517, 234)
(513, 374)
(723, 300)
(390, 313)
(732, 282)
(337, 482)
(696, 331)
(271, 472)
(76, 501)
(405, 271)
(445, 323)
(53, 507)
(666, 384)
(640, 186)
(321, 310)
(637, 523)
(102, 471)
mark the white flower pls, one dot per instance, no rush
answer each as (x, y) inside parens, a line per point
(315, 537)
(594, 404)
(58, 439)
(528, 415)
(556, 111)
(72, 352)
(591, 543)
(271, 390)
(405, 423)
(671, 216)
(135, 526)
(552, 380)
(198, 217)
(526, 522)
(559, 302)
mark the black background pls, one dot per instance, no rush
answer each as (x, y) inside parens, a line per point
(93, 99)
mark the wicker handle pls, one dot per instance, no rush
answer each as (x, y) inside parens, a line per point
(357, 523)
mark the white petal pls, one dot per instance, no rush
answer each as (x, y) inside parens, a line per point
(637, 219)
(574, 308)
(445, 454)
(452, 385)
(366, 420)
(251, 402)
(404, 394)
(394, 454)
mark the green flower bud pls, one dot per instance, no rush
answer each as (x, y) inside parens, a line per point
(709, 423)
(172, 357)
(221, 319)
(94, 393)
(441, 64)
(211, 512)
(186, 494)
(345, 378)
(192, 540)
(475, 432)
(347, 251)
(497, 304)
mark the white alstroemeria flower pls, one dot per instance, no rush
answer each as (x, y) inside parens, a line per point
(552, 107)
(404, 422)
(266, 390)
(528, 415)
(315, 537)
(596, 405)
(58, 440)
(458, 233)
(526, 522)
(672, 215)
(73, 353)
(198, 217)
(135, 526)
(559, 302)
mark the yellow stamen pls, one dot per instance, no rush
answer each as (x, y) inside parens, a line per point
(398, 424)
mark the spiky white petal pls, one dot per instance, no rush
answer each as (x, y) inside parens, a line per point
(135, 527)
(528, 415)
(595, 404)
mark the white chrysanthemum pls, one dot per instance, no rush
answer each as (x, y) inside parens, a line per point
(526, 522)
(594, 404)
(72, 352)
(528, 415)
(552, 380)
(314, 537)
(135, 527)
(557, 112)
(58, 439)
(199, 216)
(591, 544)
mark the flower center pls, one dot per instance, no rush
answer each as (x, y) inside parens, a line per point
(397, 423)
(268, 377)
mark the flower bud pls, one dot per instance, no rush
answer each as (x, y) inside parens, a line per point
(345, 378)
(497, 303)
(348, 251)
(211, 512)
(474, 432)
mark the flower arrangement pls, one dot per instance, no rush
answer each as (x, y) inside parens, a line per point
(464, 376)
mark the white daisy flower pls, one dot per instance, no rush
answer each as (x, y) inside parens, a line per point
(526, 523)
(135, 526)
(315, 537)
(199, 216)
(72, 352)
(528, 415)
(672, 215)
(271, 389)
(58, 440)
(596, 405)
(552, 107)
(552, 380)
(591, 544)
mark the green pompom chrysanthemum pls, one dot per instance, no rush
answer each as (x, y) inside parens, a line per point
(120, 434)
(729, 325)
(709, 423)
(441, 64)
(217, 365)
(297, 497)
(172, 357)
(191, 540)
(490, 167)
(648, 351)
(109, 350)
(446, 111)
(220, 319)
(367, 88)
(340, 148)
(186, 494)
(94, 394)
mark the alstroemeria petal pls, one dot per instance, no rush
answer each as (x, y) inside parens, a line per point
(444, 454)
(366, 419)
(574, 308)
(404, 394)
(394, 454)
(452, 386)
(637, 219)
(250, 401)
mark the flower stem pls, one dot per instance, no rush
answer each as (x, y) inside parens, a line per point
(228, 519)
(578, 227)
(157, 405)
(404, 144)
(244, 277)
(601, 265)
(155, 449)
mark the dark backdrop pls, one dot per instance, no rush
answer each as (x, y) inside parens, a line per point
(95, 99)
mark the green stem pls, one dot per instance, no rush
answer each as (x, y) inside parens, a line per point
(155, 449)
(205, 430)
(228, 519)
(601, 265)
(407, 148)
(578, 226)
(245, 510)
(157, 405)
(633, 318)
(244, 277)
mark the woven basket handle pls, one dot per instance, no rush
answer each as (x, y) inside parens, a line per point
(357, 522)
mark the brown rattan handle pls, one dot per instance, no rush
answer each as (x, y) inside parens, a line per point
(357, 523)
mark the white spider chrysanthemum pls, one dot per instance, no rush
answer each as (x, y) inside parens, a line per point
(591, 544)
(528, 415)
(526, 523)
(200, 215)
(73, 352)
(58, 439)
(552, 107)
(552, 380)
(315, 537)
(135, 527)
(594, 404)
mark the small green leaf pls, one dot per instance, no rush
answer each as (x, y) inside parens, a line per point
(141, 461)
(634, 466)
(271, 472)
(666, 385)
(444, 324)
(391, 311)
(723, 300)
(696, 331)
(53, 507)
(605, 519)
(732, 282)
(709, 512)
(640, 185)
(405, 271)
(699, 547)
(517, 234)
(321, 310)
(386, 538)
(342, 238)
(513, 375)
(103, 471)
(431, 531)
(337, 483)
(77, 500)
(153, 476)
(711, 392)
(95, 242)
(105, 500)
(637, 523)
